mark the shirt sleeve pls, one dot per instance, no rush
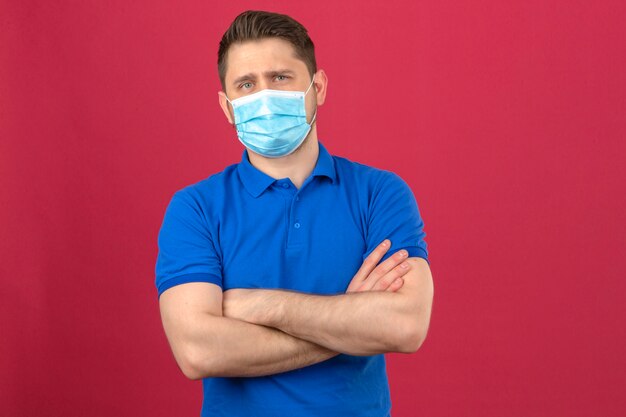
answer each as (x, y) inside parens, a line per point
(394, 215)
(186, 249)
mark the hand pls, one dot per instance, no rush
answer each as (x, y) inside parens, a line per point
(385, 277)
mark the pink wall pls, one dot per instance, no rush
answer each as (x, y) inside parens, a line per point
(508, 121)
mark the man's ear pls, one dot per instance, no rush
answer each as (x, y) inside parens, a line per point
(321, 84)
(226, 108)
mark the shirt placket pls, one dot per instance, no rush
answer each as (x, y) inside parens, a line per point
(293, 212)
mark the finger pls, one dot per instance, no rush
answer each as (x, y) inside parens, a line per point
(386, 280)
(384, 268)
(370, 263)
(396, 285)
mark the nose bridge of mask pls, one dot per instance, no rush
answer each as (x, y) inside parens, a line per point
(269, 92)
(272, 122)
(270, 103)
(271, 106)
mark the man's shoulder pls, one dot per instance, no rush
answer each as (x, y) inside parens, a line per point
(362, 173)
(215, 185)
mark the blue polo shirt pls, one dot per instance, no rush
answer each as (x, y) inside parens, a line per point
(241, 228)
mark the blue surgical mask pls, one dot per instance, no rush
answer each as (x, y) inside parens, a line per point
(272, 123)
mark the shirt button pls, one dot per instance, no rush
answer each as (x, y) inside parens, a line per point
(285, 185)
(297, 198)
(297, 225)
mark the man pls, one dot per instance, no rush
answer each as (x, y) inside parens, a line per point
(277, 284)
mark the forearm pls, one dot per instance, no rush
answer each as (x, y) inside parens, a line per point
(221, 346)
(362, 323)
(366, 322)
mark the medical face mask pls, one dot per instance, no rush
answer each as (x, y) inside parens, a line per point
(272, 123)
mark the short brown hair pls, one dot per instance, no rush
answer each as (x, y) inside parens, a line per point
(255, 25)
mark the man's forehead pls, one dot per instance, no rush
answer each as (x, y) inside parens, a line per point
(261, 56)
(275, 44)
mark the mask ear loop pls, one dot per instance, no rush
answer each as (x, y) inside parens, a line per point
(234, 124)
(313, 119)
(305, 93)
(310, 85)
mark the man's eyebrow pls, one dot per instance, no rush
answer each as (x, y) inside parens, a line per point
(252, 76)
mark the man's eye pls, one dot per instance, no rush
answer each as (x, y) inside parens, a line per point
(281, 77)
(246, 85)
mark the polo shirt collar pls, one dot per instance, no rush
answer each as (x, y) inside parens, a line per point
(256, 181)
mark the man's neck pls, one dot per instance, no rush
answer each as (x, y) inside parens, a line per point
(297, 166)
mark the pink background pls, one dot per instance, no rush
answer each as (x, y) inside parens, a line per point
(508, 120)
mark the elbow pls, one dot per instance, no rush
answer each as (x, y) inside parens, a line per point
(413, 343)
(411, 337)
(189, 366)
(195, 366)
(190, 370)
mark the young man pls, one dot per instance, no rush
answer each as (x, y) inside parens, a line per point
(276, 281)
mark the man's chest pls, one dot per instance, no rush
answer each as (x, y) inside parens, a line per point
(304, 242)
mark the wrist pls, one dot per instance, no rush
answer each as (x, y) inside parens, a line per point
(266, 307)
(274, 305)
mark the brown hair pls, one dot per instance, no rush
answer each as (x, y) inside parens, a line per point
(255, 25)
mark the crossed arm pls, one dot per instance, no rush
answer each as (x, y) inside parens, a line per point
(244, 332)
